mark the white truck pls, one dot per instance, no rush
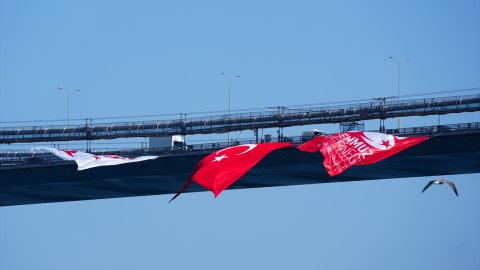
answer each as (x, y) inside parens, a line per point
(166, 143)
(308, 135)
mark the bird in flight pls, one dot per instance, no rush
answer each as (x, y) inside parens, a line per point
(441, 182)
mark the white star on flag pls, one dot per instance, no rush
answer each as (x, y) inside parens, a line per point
(219, 158)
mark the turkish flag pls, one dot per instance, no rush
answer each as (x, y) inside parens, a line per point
(343, 150)
(217, 171)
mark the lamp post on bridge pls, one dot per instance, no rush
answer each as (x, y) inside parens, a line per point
(229, 77)
(399, 60)
(68, 105)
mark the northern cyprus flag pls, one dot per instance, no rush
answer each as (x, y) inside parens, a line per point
(87, 160)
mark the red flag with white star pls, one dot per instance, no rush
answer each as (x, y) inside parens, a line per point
(217, 171)
(343, 150)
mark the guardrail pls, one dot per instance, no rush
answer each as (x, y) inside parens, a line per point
(279, 117)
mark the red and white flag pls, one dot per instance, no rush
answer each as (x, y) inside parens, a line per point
(217, 171)
(87, 161)
(343, 150)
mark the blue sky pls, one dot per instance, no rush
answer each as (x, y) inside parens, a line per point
(159, 57)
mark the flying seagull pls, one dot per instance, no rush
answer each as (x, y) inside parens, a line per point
(441, 182)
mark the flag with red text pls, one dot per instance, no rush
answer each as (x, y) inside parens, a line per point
(343, 150)
(87, 160)
(217, 171)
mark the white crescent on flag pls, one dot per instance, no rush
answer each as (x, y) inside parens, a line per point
(249, 148)
(379, 140)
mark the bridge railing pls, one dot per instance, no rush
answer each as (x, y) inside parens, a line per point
(436, 130)
(278, 117)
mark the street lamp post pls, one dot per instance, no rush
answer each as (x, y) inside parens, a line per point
(229, 77)
(398, 79)
(68, 106)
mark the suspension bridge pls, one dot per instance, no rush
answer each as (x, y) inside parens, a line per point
(29, 178)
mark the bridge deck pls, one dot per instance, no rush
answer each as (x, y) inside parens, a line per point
(441, 155)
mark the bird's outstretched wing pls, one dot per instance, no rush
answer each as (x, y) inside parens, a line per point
(452, 186)
(428, 185)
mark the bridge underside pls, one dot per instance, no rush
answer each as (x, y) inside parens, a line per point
(441, 155)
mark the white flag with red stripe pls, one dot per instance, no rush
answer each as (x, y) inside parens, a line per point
(87, 160)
